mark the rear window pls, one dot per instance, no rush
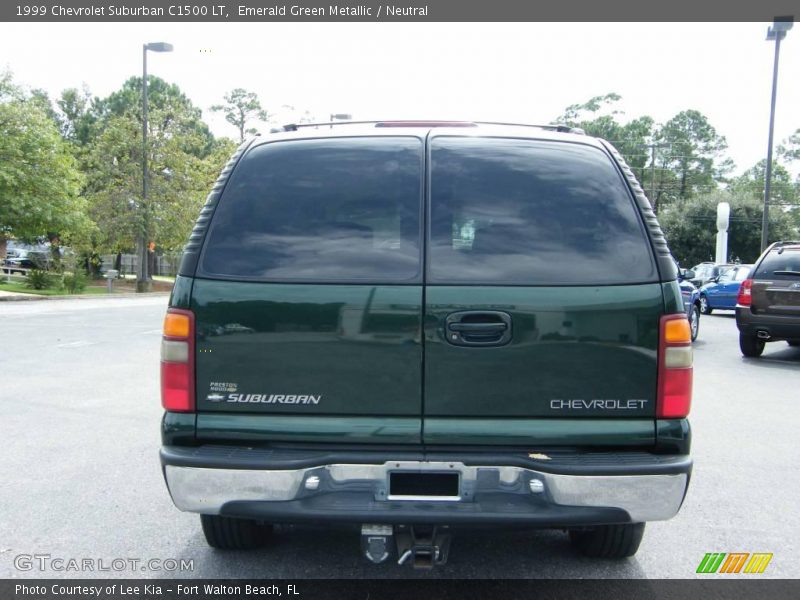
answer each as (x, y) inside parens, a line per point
(779, 265)
(524, 212)
(345, 209)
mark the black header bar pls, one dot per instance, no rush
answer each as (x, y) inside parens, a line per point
(393, 11)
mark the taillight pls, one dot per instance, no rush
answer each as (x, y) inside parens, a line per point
(745, 297)
(177, 361)
(674, 367)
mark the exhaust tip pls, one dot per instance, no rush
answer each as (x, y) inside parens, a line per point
(763, 335)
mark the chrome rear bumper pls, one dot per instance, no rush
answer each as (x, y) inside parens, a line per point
(506, 492)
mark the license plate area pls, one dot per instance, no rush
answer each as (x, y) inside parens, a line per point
(425, 485)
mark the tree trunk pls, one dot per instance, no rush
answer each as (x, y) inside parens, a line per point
(3, 240)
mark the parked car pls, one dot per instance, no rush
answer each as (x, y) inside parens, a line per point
(451, 324)
(706, 271)
(721, 291)
(691, 300)
(768, 304)
(20, 261)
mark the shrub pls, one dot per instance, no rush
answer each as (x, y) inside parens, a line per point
(75, 282)
(39, 279)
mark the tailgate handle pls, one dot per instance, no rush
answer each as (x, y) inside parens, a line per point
(478, 328)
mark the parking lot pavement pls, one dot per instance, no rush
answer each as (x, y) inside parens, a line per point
(79, 420)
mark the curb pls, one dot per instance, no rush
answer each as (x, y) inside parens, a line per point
(34, 297)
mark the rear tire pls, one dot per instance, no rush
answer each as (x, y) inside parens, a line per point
(227, 533)
(750, 345)
(608, 541)
(705, 308)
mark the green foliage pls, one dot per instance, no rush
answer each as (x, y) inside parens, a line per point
(74, 282)
(91, 262)
(782, 191)
(77, 118)
(789, 150)
(39, 177)
(240, 108)
(8, 89)
(689, 157)
(680, 159)
(631, 139)
(39, 279)
(690, 227)
(183, 163)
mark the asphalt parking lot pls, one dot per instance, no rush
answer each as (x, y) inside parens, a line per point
(79, 420)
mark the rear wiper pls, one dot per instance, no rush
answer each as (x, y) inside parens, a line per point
(786, 272)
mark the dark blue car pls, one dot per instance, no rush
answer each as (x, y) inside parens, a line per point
(691, 298)
(721, 292)
(691, 302)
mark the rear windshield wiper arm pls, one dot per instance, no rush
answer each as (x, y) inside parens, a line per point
(786, 272)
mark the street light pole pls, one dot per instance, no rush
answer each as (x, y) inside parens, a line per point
(777, 32)
(142, 275)
(143, 281)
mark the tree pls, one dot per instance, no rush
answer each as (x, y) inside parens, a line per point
(169, 110)
(77, 115)
(631, 139)
(240, 108)
(690, 226)
(782, 193)
(39, 178)
(42, 99)
(683, 157)
(789, 150)
(183, 158)
(689, 157)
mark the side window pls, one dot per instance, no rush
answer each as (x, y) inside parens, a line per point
(727, 275)
(343, 209)
(742, 273)
(510, 211)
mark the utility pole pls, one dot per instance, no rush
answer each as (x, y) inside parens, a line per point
(653, 199)
(777, 32)
(142, 276)
(143, 282)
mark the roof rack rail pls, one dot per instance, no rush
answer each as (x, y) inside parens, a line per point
(560, 128)
(296, 126)
(781, 246)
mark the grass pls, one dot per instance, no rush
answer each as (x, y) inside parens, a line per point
(19, 288)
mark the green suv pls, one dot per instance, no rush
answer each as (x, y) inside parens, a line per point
(410, 326)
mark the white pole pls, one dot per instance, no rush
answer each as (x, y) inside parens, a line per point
(723, 218)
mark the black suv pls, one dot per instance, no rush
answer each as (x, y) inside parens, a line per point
(768, 305)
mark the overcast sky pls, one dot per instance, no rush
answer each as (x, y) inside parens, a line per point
(526, 72)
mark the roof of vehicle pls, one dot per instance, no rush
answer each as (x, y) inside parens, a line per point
(421, 128)
(781, 246)
(713, 264)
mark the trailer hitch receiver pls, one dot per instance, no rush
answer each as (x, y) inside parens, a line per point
(425, 547)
